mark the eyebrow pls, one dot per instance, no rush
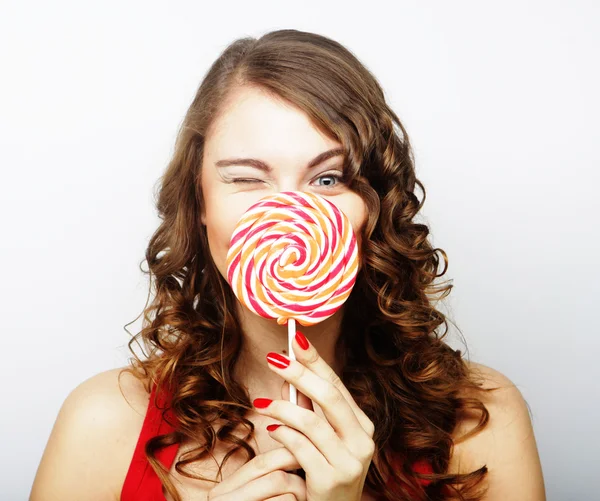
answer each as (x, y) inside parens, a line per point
(259, 164)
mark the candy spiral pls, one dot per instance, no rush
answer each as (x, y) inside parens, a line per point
(293, 255)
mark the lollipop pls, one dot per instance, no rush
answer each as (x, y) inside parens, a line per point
(293, 257)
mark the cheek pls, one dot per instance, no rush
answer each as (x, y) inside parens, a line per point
(355, 208)
(220, 227)
(222, 214)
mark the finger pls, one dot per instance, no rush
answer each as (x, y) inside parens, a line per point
(310, 358)
(336, 408)
(272, 484)
(303, 400)
(310, 458)
(324, 447)
(262, 464)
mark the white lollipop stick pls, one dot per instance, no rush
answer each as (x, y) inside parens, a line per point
(291, 335)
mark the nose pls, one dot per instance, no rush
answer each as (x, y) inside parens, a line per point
(289, 184)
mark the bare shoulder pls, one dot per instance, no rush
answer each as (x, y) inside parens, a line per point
(93, 438)
(506, 445)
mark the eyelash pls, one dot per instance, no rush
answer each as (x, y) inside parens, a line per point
(339, 177)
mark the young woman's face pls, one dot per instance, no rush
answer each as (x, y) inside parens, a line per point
(258, 126)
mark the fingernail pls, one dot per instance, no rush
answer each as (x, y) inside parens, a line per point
(277, 360)
(273, 427)
(301, 340)
(261, 403)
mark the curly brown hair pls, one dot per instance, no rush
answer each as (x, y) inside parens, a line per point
(397, 367)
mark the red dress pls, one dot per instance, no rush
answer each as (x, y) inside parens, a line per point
(142, 483)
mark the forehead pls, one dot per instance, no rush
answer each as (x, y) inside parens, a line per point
(258, 123)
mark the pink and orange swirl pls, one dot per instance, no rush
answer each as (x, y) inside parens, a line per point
(293, 255)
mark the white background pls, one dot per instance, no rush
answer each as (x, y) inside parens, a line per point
(500, 101)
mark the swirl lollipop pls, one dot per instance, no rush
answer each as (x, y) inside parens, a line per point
(293, 257)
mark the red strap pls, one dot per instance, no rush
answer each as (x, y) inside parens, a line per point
(420, 466)
(141, 481)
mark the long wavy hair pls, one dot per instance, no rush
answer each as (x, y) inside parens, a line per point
(397, 367)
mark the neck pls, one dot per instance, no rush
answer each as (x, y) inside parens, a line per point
(261, 335)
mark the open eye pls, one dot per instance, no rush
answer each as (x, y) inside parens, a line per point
(338, 177)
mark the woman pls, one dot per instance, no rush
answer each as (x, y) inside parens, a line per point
(386, 409)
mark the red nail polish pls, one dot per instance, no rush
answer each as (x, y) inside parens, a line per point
(261, 403)
(301, 340)
(277, 360)
(273, 427)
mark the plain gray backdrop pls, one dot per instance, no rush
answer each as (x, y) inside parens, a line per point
(500, 100)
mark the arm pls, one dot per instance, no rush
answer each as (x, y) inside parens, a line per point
(507, 445)
(84, 456)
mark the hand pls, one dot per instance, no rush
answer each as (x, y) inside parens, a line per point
(334, 449)
(263, 477)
